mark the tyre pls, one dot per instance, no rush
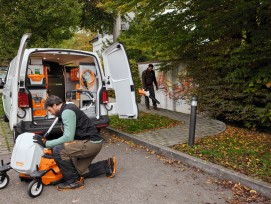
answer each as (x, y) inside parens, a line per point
(35, 188)
(4, 181)
(5, 118)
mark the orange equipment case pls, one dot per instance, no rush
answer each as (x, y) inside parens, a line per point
(38, 106)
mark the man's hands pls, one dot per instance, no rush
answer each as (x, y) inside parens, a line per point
(39, 139)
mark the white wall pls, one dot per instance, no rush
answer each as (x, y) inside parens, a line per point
(173, 88)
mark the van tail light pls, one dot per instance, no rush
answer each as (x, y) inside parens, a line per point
(105, 96)
(23, 100)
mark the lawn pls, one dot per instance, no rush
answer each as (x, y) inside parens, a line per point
(145, 122)
(241, 150)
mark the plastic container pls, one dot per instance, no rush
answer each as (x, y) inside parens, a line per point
(35, 69)
(37, 79)
(26, 155)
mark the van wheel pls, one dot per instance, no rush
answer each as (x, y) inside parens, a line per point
(5, 118)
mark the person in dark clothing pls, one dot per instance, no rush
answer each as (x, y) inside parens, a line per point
(148, 79)
(77, 147)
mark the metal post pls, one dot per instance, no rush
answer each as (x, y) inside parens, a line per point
(192, 126)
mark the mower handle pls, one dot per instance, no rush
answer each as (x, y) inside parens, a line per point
(50, 128)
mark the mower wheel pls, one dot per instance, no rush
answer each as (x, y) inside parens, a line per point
(35, 188)
(4, 181)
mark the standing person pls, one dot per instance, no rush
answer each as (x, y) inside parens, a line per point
(148, 79)
(77, 147)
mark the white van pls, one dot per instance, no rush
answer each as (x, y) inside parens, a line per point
(75, 76)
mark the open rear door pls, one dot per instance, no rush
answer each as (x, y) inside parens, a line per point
(119, 78)
(15, 87)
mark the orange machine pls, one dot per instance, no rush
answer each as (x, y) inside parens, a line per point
(38, 106)
(48, 165)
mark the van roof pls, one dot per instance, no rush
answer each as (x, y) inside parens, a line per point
(62, 56)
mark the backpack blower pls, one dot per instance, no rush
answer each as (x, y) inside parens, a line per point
(147, 93)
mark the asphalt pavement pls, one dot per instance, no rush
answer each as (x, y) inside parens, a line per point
(142, 178)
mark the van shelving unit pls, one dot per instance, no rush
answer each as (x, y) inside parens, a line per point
(37, 84)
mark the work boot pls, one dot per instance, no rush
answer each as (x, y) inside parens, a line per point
(112, 164)
(155, 108)
(148, 108)
(71, 186)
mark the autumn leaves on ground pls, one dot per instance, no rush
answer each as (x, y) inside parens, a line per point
(242, 150)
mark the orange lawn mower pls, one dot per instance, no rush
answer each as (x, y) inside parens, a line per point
(33, 163)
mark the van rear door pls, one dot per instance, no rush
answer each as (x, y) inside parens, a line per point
(119, 78)
(15, 87)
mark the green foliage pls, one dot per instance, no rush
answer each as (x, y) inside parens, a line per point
(95, 18)
(49, 21)
(145, 122)
(79, 41)
(243, 151)
(225, 45)
(138, 44)
(233, 66)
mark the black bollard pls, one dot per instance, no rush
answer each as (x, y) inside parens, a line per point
(192, 126)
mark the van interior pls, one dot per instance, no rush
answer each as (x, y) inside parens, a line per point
(72, 76)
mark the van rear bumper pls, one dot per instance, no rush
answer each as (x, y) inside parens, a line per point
(41, 126)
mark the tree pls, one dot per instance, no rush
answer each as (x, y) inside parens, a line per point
(225, 44)
(96, 18)
(49, 21)
(80, 41)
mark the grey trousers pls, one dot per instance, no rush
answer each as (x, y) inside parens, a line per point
(152, 93)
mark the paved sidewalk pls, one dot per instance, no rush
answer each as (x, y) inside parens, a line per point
(6, 140)
(179, 134)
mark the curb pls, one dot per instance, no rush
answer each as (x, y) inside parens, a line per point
(261, 187)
